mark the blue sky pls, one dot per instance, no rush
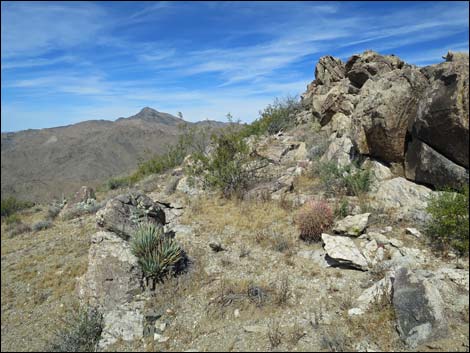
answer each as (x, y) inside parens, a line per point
(62, 63)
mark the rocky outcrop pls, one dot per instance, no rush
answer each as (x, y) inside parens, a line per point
(381, 118)
(416, 120)
(442, 118)
(360, 68)
(329, 70)
(123, 214)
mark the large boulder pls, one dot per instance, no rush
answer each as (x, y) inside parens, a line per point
(386, 106)
(361, 67)
(113, 276)
(418, 306)
(424, 164)
(442, 119)
(401, 195)
(123, 214)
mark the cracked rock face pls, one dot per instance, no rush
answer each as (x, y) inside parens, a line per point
(123, 214)
(113, 276)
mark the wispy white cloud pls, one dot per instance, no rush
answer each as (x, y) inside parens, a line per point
(33, 28)
(108, 59)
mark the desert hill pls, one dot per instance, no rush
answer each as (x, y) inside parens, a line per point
(43, 164)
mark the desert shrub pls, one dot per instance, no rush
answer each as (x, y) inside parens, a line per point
(275, 117)
(81, 332)
(227, 167)
(82, 209)
(41, 225)
(342, 208)
(448, 224)
(279, 115)
(349, 179)
(157, 253)
(12, 219)
(15, 229)
(53, 211)
(313, 219)
(116, 183)
(11, 205)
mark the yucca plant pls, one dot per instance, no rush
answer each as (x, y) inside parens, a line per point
(158, 254)
(146, 239)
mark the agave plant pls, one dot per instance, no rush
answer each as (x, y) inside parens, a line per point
(157, 253)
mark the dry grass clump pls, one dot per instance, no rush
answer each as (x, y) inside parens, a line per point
(313, 219)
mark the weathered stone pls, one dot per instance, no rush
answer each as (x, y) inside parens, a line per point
(125, 212)
(329, 70)
(340, 150)
(337, 100)
(190, 186)
(418, 306)
(341, 251)
(275, 149)
(373, 295)
(386, 107)
(442, 117)
(373, 252)
(124, 322)
(352, 225)
(113, 276)
(423, 164)
(414, 232)
(340, 123)
(403, 196)
(361, 67)
(380, 172)
(317, 256)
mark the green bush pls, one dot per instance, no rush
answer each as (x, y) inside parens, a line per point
(277, 116)
(11, 205)
(349, 180)
(80, 333)
(157, 253)
(448, 225)
(116, 183)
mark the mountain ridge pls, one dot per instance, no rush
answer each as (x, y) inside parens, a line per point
(41, 164)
